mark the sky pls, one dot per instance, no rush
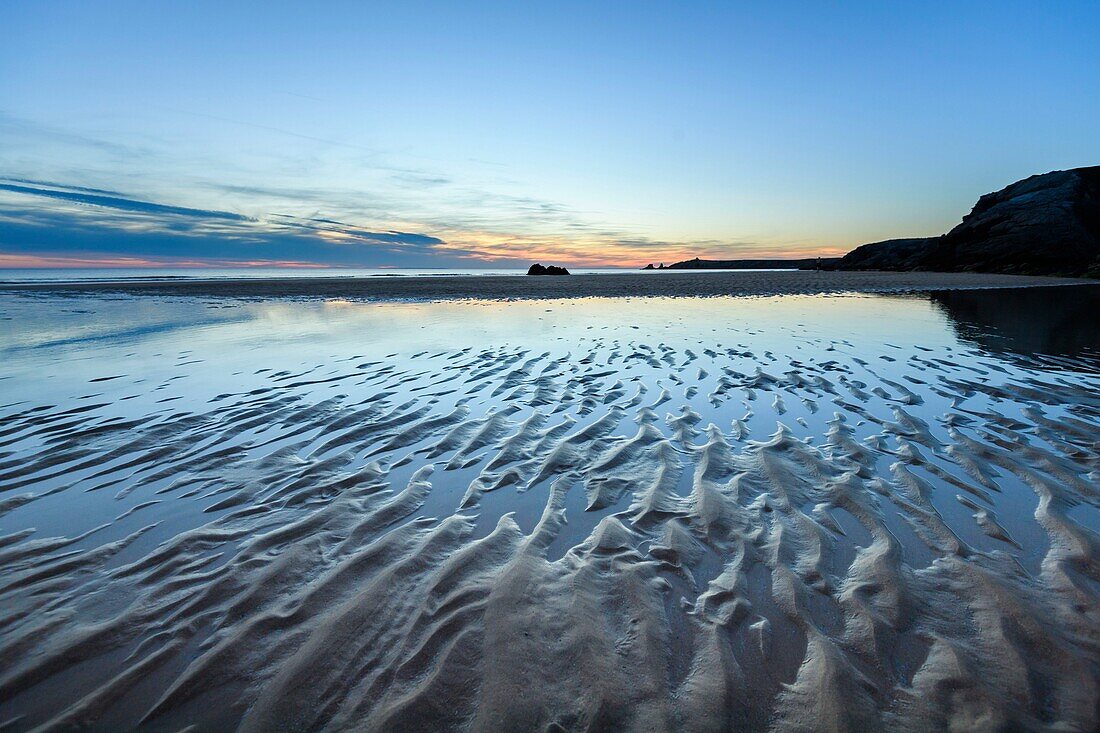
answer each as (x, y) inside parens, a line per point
(497, 134)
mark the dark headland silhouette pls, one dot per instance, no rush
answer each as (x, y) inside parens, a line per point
(1046, 224)
(812, 263)
(1043, 225)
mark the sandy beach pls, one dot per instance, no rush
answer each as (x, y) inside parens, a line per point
(674, 284)
(547, 368)
(785, 513)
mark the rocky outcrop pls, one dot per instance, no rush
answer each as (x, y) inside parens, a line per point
(538, 269)
(893, 254)
(1043, 225)
(812, 263)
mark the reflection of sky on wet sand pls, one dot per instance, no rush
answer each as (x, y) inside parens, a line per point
(136, 332)
(95, 323)
(54, 346)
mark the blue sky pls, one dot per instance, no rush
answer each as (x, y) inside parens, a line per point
(420, 134)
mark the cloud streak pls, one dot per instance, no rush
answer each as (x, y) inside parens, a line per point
(388, 216)
(337, 206)
(80, 196)
(15, 261)
(338, 230)
(67, 226)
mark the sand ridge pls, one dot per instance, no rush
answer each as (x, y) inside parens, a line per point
(616, 555)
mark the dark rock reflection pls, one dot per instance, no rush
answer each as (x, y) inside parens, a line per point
(1057, 321)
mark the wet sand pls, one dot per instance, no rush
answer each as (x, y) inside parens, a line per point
(743, 520)
(512, 287)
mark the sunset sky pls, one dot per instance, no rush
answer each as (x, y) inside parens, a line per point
(459, 134)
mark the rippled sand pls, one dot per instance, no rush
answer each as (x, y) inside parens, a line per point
(787, 514)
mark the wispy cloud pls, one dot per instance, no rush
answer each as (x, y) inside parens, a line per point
(15, 129)
(330, 204)
(50, 224)
(104, 261)
(51, 184)
(61, 224)
(79, 195)
(338, 231)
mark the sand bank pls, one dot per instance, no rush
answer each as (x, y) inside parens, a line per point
(511, 287)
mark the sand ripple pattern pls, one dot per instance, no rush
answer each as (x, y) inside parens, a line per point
(629, 537)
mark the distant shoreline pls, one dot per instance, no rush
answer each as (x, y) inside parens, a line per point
(682, 283)
(807, 263)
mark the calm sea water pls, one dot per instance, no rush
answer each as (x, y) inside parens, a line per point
(114, 274)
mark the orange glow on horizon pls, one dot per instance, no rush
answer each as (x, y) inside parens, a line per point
(479, 249)
(491, 247)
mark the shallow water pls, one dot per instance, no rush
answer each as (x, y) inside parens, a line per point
(786, 513)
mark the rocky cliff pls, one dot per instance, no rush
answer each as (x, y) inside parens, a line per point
(1043, 225)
